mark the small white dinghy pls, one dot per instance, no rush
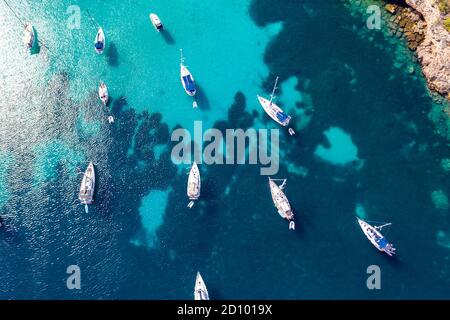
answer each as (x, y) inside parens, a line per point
(100, 41)
(28, 36)
(376, 238)
(87, 187)
(281, 202)
(274, 111)
(187, 79)
(194, 185)
(200, 291)
(156, 22)
(103, 93)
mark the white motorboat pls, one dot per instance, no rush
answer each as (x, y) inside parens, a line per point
(156, 22)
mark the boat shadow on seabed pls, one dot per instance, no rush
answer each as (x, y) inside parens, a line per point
(167, 36)
(201, 99)
(112, 55)
(119, 104)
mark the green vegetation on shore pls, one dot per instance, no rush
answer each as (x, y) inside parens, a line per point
(444, 6)
(447, 23)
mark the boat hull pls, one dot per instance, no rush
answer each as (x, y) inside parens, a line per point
(156, 22)
(29, 36)
(100, 39)
(187, 81)
(103, 94)
(200, 291)
(375, 237)
(194, 183)
(280, 201)
(273, 110)
(86, 194)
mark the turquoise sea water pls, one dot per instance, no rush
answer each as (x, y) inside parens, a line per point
(366, 145)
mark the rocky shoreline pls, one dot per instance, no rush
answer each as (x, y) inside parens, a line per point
(421, 23)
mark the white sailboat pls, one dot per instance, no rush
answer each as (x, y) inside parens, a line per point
(100, 41)
(274, 111)
(156, 22)
(87, 187)
(194, 185)
(103, 93)
(281, 202)
(376, 238)
(187, 79)
(200, 291)
(28, 36)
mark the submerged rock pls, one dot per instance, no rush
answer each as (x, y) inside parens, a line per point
(440, 200)
(445, 164)
(443, 239)
(391, 8)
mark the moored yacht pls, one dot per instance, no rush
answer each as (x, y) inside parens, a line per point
(28, 36)
(156, 22)
(281, 202)
(274, 111)
(194, 185)
(376, 238)
(200, 290)
(100, 41)
(103, 93)
(87, 187)
(187, 80)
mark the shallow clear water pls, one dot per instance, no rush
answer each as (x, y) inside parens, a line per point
(139, 240)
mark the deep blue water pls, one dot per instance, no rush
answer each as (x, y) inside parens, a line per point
(366, 144)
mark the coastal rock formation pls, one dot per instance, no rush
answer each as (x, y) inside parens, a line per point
(434, 51)
(410, 24)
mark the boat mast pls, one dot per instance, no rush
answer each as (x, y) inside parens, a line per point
(282, 185)
(384, 225)
(272, 96)
(95, 23)
(181, 56)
